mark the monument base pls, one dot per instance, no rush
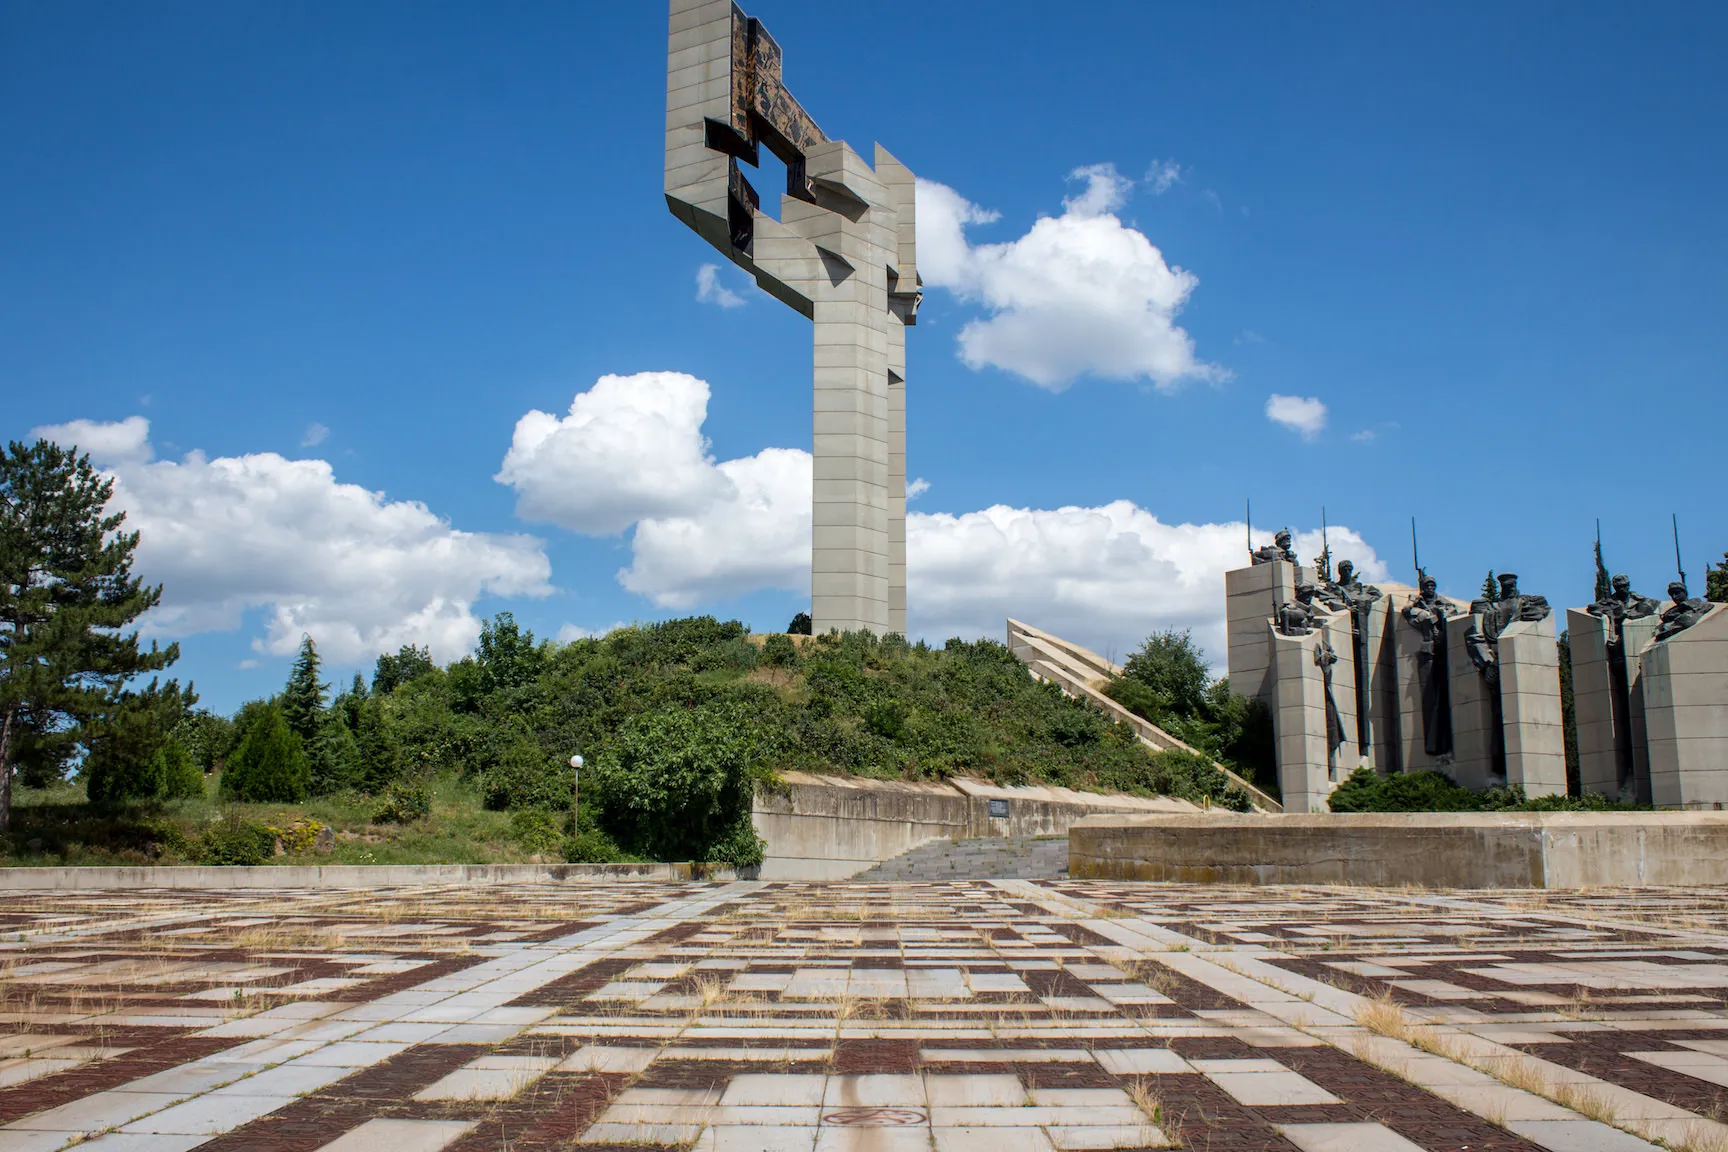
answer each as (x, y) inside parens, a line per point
(1424, 849)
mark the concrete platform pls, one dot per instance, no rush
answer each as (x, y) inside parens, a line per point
(1427, 849)
(341, 875)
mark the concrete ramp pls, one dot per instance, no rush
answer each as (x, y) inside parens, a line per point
(1082, 674)
(834, 827)
(996, 858)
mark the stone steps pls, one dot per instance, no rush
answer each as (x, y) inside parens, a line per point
(993, 858)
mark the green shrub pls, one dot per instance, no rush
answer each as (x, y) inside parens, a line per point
(539, 832)
(779, 651)
(234, 840)
(592, 847)
(169, 840)
(525, 776)
(1366, 791)
(677, 783)
(269, 766)
(181, 777)
(404, 802)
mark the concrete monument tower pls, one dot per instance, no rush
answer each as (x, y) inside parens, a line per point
(842, 253)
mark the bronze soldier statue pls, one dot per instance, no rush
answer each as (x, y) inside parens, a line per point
(1297, 617)
(1348, 594)
(1279, 549)
(1620, 605)
(1427, 614)
(1488, 619)
(1325, 658)
(1686, 611)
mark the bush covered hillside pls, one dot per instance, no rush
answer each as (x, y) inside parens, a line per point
(679, 722)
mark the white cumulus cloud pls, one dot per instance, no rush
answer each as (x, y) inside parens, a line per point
(631, 447)
(361, 574)
(315, 435)
(917, 488)
(121, 442)
(1104, 576)
(709, 290)
(1078, 294)
(1106, 190)
(1305, 416)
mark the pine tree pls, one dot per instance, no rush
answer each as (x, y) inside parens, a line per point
(335, 756)
(1603, 584)
(179, 773)
(1490, 587)
(269, 766)
(66, 595)
(302, 700)
(380, 754)
(1716, 582)
(123, 761)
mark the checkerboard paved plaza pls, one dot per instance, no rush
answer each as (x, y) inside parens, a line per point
(994, 1015)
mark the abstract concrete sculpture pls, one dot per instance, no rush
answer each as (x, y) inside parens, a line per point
(842, 253)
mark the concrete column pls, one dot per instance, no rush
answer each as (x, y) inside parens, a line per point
(1638, 635)
(1472, 713)
(1380, 657)
(896, 477)
(1593, 703)
(1299, 720)
(849, 514)
(1685, 690)
(1530, 708)
(1249, 594)
(1348, 757)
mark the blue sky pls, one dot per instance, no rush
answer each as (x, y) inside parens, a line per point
(1491, 241)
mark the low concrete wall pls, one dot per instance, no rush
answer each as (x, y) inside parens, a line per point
(345, 875)
(832, 827)
(1425, 849)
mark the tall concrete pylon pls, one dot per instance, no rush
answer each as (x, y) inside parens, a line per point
(843, 253)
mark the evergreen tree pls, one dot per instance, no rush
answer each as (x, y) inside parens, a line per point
(181, 778)
(269, 766)
(380, 753)
(122, 760)
(800, 625)
(302, 700)
(1490, 587)
(66, 595)
(1716, 582)
(335, 756)
(1604, 585)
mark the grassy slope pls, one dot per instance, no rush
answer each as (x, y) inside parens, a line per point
(69, 831)
(852, 705)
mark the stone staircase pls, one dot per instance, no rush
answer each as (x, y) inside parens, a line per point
(992, 858)
(1082, 673)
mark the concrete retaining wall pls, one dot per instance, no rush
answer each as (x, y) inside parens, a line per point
(344, 875)
(1428, 849)
(832, 827)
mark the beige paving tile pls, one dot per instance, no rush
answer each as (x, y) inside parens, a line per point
(868, 1090)
(767, 1089)
(95, 1112)
(1345, 1138)
(400, 1136)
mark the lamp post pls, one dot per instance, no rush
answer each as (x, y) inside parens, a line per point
(575, 796)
